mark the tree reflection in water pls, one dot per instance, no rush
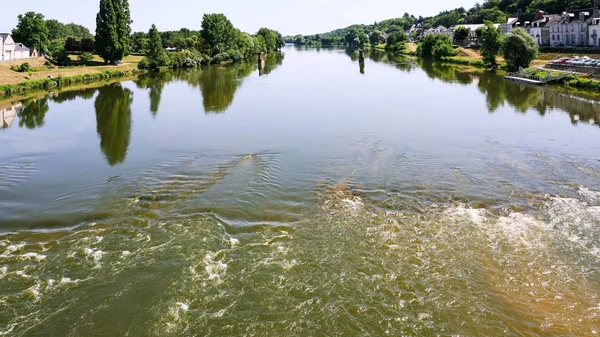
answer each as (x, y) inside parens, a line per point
(113, 118)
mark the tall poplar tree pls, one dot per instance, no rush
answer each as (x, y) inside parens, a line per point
(156, 53)
(112, 30)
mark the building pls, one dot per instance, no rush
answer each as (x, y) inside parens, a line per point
(8, 114)
(438, 30)
(540, 31)
(9, 50)
(594, 32)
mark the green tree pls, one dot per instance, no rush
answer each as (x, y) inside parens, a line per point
(139, 42)
(377, 37)
(461, 33)
(156, 54)
(490, 42)
(84, 58)
(299, 40)
(435, 46)
(113, 118)
(218, 33)
(519, 49)
(32, 31)
(396, 42)
(112, 30)
(270, 38)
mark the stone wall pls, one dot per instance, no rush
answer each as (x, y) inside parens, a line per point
(575, 68)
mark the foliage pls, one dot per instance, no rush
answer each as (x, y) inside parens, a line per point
(22, 68)
(218, 33)
(519, 49)
(299, 40)
(583, 83)
(490, 42)
(144, 64)
(84, 58)
(377, 37)
(187, 59)
(58, 30)
(273, 40)
(156, 54)
(435, 46)
(461, 33)
(462, 61)
(61, 57)
(396, 42)
(112, 30)
(32, 31)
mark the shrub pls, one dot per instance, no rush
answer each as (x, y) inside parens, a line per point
(436, 46)
(220, 58)
(236, 56)
(519, 49)
(22, 68)
(144, 64)
(85, 57)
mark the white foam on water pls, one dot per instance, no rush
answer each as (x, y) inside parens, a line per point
(14, 248)
(95, 255)
(125, 253)
(22, 274)
(183, 306)
(214, 268)
(233, 242)
(32, 256)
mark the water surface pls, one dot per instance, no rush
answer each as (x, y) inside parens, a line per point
(312, 196)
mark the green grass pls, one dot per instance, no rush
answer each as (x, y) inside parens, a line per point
(46, 83)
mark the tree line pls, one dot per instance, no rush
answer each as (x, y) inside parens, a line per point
(495, 11)
(217, 41)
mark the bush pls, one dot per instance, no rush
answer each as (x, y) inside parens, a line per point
(519, 49)
(186, 59)
(396, 42)
(23, 68)
(220, 58)
(144, 64)
(85, 57)
(436, 46)
(61, 57)
(236, 56)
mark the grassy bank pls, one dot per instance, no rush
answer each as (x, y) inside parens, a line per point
(43, 77)
(47, 83)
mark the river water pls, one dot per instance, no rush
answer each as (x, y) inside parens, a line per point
(313, 197)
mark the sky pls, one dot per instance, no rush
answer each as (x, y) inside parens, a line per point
(290, 17)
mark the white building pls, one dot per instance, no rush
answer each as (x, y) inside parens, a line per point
(594, 32)
(8, 114)
(9, 50)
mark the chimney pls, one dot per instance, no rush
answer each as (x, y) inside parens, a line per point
(581, 16)
(596, 9)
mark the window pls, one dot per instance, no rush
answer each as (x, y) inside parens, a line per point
(572, 38)
(567, 38)
(582, 39)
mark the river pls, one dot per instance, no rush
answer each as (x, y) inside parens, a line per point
(312, 197)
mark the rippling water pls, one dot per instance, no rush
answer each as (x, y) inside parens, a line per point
(306, 198)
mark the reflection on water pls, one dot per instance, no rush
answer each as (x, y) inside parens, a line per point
(582, 108)
(8, 114)
(113, 117)
(33, 113)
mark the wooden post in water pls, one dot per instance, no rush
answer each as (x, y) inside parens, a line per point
(261, 64)
(361, 60)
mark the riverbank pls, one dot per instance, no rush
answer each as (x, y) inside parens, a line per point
(42, 77)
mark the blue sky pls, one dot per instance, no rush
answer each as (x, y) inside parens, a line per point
(287, 16)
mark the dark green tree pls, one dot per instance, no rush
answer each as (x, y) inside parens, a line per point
(490, 42)
(112, 30)
(113, 118)
(156, 54)
(396, 42)
(377, 37)
(461, 33)
(270, 37)
(218, 33)
(435, 46)
(519, 49)
(32, 31)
